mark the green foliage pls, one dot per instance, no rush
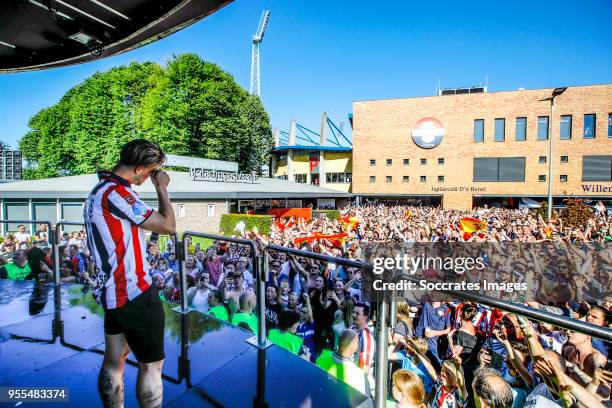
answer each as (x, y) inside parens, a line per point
(576, 213)
(543, 211)
(1, 239)
(189, 107)
(229, 221)
(330, 214)
(204, 242)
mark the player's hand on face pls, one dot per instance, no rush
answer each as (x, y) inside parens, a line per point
(160, 179)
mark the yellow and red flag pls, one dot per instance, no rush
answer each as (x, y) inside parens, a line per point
(471, 225)
(350, 223)
(336, 239)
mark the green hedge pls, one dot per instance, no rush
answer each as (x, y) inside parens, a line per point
(229, 221)
(330, 214)
(204, 242)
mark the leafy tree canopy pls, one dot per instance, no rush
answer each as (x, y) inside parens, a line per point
(190, 107)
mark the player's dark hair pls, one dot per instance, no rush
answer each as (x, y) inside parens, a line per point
(365, 307)
(141, 152)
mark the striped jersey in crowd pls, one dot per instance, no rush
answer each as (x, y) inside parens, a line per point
(113, 213)
(367, 346)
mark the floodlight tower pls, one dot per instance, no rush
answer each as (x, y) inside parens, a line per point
(257, 39)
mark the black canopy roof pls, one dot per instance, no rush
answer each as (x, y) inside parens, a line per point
(38, 34)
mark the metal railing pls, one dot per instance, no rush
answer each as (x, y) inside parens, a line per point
(380, 367)
(260, 340)
(57, 239)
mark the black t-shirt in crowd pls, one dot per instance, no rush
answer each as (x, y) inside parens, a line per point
(272, 313)
(468, 341)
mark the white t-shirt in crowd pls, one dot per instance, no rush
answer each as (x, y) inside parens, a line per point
(541, 397)
(22, 237)
(200, 300)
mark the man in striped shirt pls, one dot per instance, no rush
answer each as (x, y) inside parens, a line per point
(116, 220)
(367, 345)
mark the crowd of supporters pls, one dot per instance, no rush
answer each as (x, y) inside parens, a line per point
(444, 353)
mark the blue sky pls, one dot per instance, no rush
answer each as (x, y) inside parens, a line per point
(323, 55)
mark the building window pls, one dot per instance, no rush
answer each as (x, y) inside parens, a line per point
(406, 162)
(441, 161)
(565, 133)
(542, 178)
(300, 178)
(389, 162)
(564, 159)
(542, 127)
(500, 130)
(389, 179)
(563, 178)
(283, 177)
(609, 124)
(499, 169)
(478, 130)
(339, 177)
(440, 179)
(596, 168)
(16, 211)
(405, 179)
(44, 211)
(372, 162)
(423, 179)
(372, 179)
(521, 129)
(423, 162)
(181, 211)
(542, 160)
(589, 126)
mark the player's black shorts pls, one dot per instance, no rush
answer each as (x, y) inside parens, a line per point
(142, 320)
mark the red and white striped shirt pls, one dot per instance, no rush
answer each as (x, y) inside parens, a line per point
(367, 346)
(113, 213)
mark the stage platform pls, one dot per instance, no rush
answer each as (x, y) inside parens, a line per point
(52, 337)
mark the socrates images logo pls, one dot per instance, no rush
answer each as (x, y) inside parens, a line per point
(428, 133)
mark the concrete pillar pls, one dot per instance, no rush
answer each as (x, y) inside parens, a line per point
(2, 225)
(31, 216)
(273, 165)
(323, 142)
(322, 172)
(276, 137)
(292, 133)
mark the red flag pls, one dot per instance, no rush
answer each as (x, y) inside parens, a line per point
(335, 239)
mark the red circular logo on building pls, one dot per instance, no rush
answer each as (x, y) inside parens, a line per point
(428, 133)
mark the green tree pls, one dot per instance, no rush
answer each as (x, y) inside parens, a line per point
(189, 107)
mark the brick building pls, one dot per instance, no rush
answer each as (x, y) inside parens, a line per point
(469, 149)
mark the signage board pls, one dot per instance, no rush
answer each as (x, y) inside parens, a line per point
(197, 174)
(197, 162)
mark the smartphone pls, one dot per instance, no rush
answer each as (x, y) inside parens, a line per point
(497, 360)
